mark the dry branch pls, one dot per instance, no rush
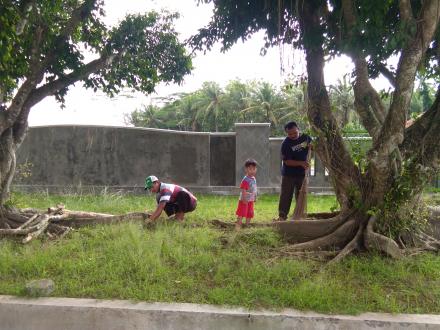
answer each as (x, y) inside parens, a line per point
(55, 222)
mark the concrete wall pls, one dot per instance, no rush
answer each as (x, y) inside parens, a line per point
(252, 141)
(112, 156)
(222, 159)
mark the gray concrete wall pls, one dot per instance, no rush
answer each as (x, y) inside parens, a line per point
(275, 160)
(113, 156)
(252, 141)
(222, 159)
(89, 314)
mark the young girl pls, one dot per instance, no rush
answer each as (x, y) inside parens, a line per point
(248, 194)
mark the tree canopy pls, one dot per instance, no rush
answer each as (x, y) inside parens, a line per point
(46, 46)
(46, 42)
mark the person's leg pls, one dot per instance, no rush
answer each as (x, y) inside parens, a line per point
(250, 213)
(170, 209)
(241, 212)
(238, 223)
(286, 195)
(183, 202)
(180, 216)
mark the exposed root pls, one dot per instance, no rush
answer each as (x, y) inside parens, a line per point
(300, 231)
(322, 215)
(427, 242)
(381, 243)
(334, 239)
(349, 248)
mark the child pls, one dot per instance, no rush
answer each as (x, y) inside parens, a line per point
(248, 194)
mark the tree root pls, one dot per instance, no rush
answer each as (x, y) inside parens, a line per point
(334, 239)
(300, 231)
(381, 243)
(349, 248)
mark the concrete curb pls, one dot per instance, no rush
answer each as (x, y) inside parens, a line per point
(84, 314)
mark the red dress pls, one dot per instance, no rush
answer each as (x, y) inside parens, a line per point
(246, 209)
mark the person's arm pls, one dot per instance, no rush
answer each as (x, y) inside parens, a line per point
(244, 187)
(156, 214)
(244, 196)
(301, 163)
(286, 156)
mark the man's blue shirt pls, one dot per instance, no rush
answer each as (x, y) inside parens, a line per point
(294, 150)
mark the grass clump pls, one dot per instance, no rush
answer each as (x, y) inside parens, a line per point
(202, 264)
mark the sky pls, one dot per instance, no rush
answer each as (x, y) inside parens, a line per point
(243, 61)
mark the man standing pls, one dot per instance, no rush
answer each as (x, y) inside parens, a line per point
(172, 198)
(294, 150)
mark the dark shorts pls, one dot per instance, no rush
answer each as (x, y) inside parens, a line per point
(183, 203)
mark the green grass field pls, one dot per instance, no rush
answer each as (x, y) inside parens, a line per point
(202, 264)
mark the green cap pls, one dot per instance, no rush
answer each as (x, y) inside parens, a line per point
(149, 181)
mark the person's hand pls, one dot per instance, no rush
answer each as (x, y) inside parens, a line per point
(305, 165)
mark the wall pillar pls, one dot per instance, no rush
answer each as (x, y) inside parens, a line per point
(252, 141)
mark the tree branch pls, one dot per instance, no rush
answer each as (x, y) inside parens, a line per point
(62, 82)
(20, 125)
(392, 132)
(35, 75)
(387, 74)
(368, 104)
(421, 138)
(405, 10)
(38, 67)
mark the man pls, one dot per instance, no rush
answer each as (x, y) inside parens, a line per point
(294, 150)
(172, 198)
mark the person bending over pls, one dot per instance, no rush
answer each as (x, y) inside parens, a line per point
(171, 198)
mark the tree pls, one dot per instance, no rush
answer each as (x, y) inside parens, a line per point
(210, 105)
(188, 112)
(42, 53)
(377, 199)
(212, 108)
(342, 99)
(145, 117)
(265, 101)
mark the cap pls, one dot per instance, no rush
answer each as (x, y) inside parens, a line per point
(149, 181)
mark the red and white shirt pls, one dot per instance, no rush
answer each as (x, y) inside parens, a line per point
(168, 192)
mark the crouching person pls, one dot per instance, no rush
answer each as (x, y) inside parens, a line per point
(171, 198)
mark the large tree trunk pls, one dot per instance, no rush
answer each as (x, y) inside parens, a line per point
(7, 163)
(374, 197)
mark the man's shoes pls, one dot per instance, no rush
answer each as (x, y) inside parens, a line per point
(279, 219)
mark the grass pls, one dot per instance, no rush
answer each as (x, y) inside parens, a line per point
(176, 263)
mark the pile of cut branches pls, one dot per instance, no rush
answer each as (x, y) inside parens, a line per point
(55, 222)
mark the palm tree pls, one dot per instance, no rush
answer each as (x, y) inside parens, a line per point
(268, 104)
(209, 105)
(237, 98)
(342, 101)
(145, 117)
(188, 112)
